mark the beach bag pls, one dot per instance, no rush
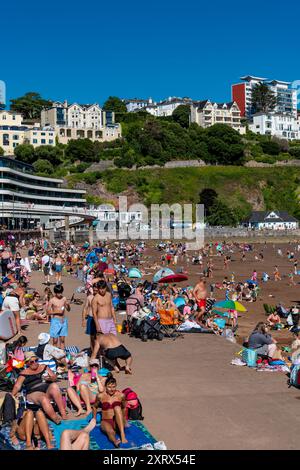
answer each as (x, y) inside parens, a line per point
(294, 379)
(8, 409)
(250, 357)
(134, 409)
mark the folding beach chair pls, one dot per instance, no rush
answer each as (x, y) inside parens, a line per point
(169, 323)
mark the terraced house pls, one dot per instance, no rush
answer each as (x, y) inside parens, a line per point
(81, 121)
(207, 113)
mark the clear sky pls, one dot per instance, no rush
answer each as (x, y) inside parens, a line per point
(85, 51)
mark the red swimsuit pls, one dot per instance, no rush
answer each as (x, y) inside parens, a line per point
(110, 406)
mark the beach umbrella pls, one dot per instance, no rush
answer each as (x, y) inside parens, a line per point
(162, 273)
(172, 278)
(179, 301)
(230, 304)
(134, 273)
(222, 314)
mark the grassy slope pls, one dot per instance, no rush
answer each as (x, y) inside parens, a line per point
(240, 187)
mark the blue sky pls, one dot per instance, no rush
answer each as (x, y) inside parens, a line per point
(86, 51)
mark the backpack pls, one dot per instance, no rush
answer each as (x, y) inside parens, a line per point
(134, 409)
(294, 379)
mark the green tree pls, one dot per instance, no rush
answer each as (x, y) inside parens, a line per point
(263, 99)
(221, 214)
(81, 149)
(50, 153)
(24, 153)
(115, 104)
(1, 151)
(43, 166)
(181, 115)
(208, 198)
(30, 105)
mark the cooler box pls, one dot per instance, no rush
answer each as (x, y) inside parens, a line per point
(8, 327)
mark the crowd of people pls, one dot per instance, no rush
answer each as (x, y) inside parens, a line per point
(104, 273)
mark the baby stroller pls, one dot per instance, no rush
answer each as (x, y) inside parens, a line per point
(145, 325)
(124, 291)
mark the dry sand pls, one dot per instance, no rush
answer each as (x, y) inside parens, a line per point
(192, 397)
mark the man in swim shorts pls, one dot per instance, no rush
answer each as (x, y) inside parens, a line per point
(113, 350)
(103, 310)
(200, 294)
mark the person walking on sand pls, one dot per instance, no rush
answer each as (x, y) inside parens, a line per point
(87, 316)
(277, 276)
(103, 310)
(200, 295)
(291, 278)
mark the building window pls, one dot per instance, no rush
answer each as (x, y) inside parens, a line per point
(50, 141)
(43, 141)
(15, 137)
(5, 139)
(34, 141)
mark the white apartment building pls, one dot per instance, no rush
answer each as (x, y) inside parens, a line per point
(13, 133)
(166, 107)
(77, 121)
(136, 104)
(282, 125)
(207, 113)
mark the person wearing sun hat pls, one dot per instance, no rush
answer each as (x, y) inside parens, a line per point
(47, 352)
(38, 382)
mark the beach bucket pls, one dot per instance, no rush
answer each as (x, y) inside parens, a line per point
(119, 328)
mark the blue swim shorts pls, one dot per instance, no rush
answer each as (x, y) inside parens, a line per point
(58, 328)
(90, 326)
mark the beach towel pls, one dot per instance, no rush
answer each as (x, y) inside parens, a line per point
(5, 442)
(69, 349)
(136, 434)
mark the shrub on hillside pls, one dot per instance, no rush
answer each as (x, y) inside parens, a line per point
(270, 147)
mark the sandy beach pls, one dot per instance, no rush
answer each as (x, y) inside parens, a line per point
(192, 397)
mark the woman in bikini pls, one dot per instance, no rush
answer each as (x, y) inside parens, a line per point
(87, 388)
(113, 405)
